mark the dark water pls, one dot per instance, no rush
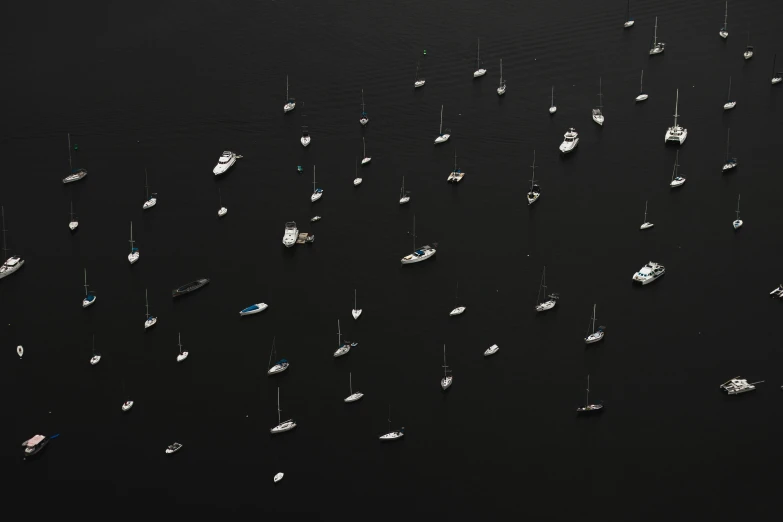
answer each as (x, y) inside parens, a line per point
(168, 86)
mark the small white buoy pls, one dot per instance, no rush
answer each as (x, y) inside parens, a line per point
(20, 351)
(278, 477)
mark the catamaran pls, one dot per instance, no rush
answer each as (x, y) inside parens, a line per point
(502, 87)
(447, 379)
(222, 211)
(356, 312)
(442, 137)
(280, 366)
(628, 20)
(182, 355)
(290, 103)
(281, 426)
(552, 107)
(598, 116)
(776, 77)
(676, 133)
(730, 162)
(317, 192)
(151, 319)
(89, 297)
(418, 82)
(456, 175)
(419, 254)
(225, 162)
(151, 201)
(543, 306)
(134, 252)
(593, 335)
(457, 308)
(77, 174)
(646, 224)
(479, 70)
(737, 222)
(656, 47)
(677, 180)
(96, 357)
(364, 118)
(590, 408)
(748, 54)
(12, 263)
(357, 180)
(392, 434)
(365, 159)
(570, 141)
(353, 397)
(404, 196)
(535, 190)
(342, 347)
(737, 385)
(730, 104)
(724, 31)
(74, 222)
(642, 95)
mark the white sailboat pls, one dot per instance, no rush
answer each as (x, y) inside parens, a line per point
(593, 335)
(75, 175)
(182, 355)
(724, 31)
(642, 95)
(127, 405)
(392, 434)
(290, 103)
(12, 263)
(74, 222)
(418, 254)
(646, 224)
(677, 180)
(96, 357)
(676, 133)
(365, 159)
(418, 82)
(356, 312)
(89, 297)
(543, 306)
(282, 426)
(317, 192)
(151, 319)
(457, 308)
(404, 196)
(730, 104)
(535, 190)
(748, 54)
(357, 180)
(442, 137)
(479, 70)
(598, 116)
(552, 107)
(20, 351)
(492, 350)
(730, 162)
(222, 211)
(502, 86)
(364, 118)
(628, 20)
(456, 175)
(134, 252)
(342, 348)
(353, 397)
(280, 366)
(776, 77)
(150, 201)
(447, 379)
(590, 408)
(737, 222)
(656, 47)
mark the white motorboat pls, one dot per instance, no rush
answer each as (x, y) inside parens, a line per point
(96, 357)
(737, 222)
(676, 133)
(253, 309)
(535, 191)
(392, 434)
(89, 297)
(404, 196)
(598, 115)
(342, 347)
(456, 175)
(656, 47)
(543, 306)
(150, 201)
(365, 158)
(134, 252)
(225, 162)
(76, 174)
(282, 426)
(317, 192)
(418, 254)
(724, 31)
(364, 119)
(280, 366)
(418, 82)
(305, 139)
(730, 104)
(458, 310)
(502, 86)
(646, 224)
(290, 103)
(628, 20)
(442, 137)
(447, 379)
(570, 141)
(291, 233)
(492, 350)
(11, 263)
(589, 408)
(151, 319)
(552, 107)
(649, 273)
(173, 448)
(74, 222)
(777, 77)
(593, 335)
(20, 351)
(278, 477)
(748, 54)
(353, 397)
(356, 312)
(642, 95)
(479, 70)
(222, 211)
(730, 162)
(677, 180)
(127, 405)
(738, 385)
(182, 355)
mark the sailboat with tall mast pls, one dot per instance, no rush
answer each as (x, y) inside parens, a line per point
(317, 192)
(404, 195)
(280, 366)
(442, 137)
(737, 222)
(642, 95)
(593, 335)
(677, 180)
(543, 306)
(447, 379)
(456, 175)
(290, 103)
(730, 104)
(479, 70)
(730, 162)
(457, 308)
(182, 354)
(353, 397)
(150, 201)
(356, 312)
(418, 82)
(418, 254)
(73, 224)
(676, 132)
(724, 31)
(222, 211)
(628, 20)
(134, 252)
(656, 47)
(305, 139)
(357, 180)
(646, 224)
(151, 319)
(535, 190)
(598, 116)
(776, 77)
(748, 54)
(128, 404)
(590, 408)
(89, 297)
(96, 357)
(392, 434)
(502, 87)
(282, 426)
(342, 347)
(77, 174)
(553, 107)
(365, 159)
(364, 119)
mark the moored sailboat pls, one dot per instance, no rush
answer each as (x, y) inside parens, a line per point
(76, 174)
(74, 222)
(89, 297)
(543, 306)
(590, 408)
(730, 162)
(282, 426)
(134, 252)
(593, 335)
(279, 366)
(535, 191)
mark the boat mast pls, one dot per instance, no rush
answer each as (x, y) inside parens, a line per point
(278, 405)
(542, 286)
(389, 417)
(70, 164)
(655, 34)
(440, 132)
(628, 11)
(533, 166)
(553, 96)
(726, 18)
(600, 94)
(641, 83)
(676, 104)
(313, 178)
(86, 293)
(339, 336)
(179, 342)
(645, 212)
(71, 210)
(501, 72)
(594, 317)
(587, 400)
(478, 53)
(738, 200)
(456, 296)
(362, 102)
(445, 366)
(147, 303)
(131, 238)
(271, 353)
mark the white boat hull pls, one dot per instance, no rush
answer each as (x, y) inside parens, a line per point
(552, 109)
(776, 79)
(676, 136)
(594, 337)
(149, 323)
(261, 308)
(729, 166)
(315, 196)
(150, 203)
(222, 212)
(365, 161)
(404, 200)
(392, 435)
(181, 357)
(443, 138)
(457, 311)
(724, 34)
(412, 258)
(479, 73)
(357, 182)
(677, 182)
(278, 477)
(645, 226)
(127, 405)
(364, 121)
(353, 398)
(445, 383)
(88, 302)
(492, 350)
(283, 427)
(277, 368)
(305, 141)
(532, 197)
(288, 107)
(95, 359)
(418, 84)
(11, 265)
(132, 258)
(221, 168)
(356, 313)
(598, 119)
(501, 90)
(20, 351)
(737, 223)
(748, 55)
(343, 350)
(729, 105)
(641, 97)
(567, 147)
(546, 305)
(628, 24)
(73, 225)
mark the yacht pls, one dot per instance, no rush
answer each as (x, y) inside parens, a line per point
(418, 82)
(676, 133)
(35, 445)
(543, 306)
(492, 350)
(225, 162)
(598, 116)
(365, 158)
(656, 47)
(317, 192)
(74, 222)
(89, 297)
(280, 366)
(392, 434)
(593, 335)
(535, 190)
(76, 174)
(150, 201)
(282, 426)
(730, 162)
(342, 347)
(447, 379)
(590, 408)
(642, 95)
(96, 357)
(173, 448)
(182, 355)
(456, 175)
(479, 70)
(290, 103)
(418, 254)
(570, 141)
(628, 20)
(222, 211)
(357, 180)
(458, 310)
(737, 222)
(502, 87)
(442, 137)
(305, 139)
(278, 477)
(730, 104)
(356, 312)
(253, 309)
(748, 54)
(353, 397)
(12, 263)
(404, 196)
(677, 180)
(151, 319)
(649, 273)
(134, 252)
(736, 386)
(724, 31)
(127, 405)
(364, 118)
(553, 107)
(291, 234)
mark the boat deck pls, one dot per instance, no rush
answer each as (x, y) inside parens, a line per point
(456, 177)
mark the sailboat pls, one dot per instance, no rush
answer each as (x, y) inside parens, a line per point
(748, 54)
(182, 355)
(96, 357)
(281, 426)
(656, 47)
(280, 366)
(134, 252)
(89, 297)
(365, 159)
(364, 118)
(479, 71)
(676, 132)
(151, 319)
(77, 174)
(356, 312)
(543, 306)
(535, 190)
(342, 347)
(724, 31)
(290, 103)
(418, 82)
(677, 180)
(457, 308)
(392, 434)
(74, 222)
(598, 116)
(730, 104)
(502, 87)
(151, 201)
(590, 408)
(404, 196)
(646, 224)
(418, 254)
(317, 192)
(353, 397)
(447, 379)
(628, 20)
(442, 138)
(128, 404)
(456, 175)
(553, 107)
(730, 161)
(222, 211)
(776, 77)
(13, 263)
(642, 96)
(593, 335)
(737, 222)
(357, 180)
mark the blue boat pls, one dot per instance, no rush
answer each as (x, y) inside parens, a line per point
(254, 309)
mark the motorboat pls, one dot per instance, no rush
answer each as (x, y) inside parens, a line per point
(317, 192)
(551, 299)
(443, 137)
(570, 141)
(12, 263)
(89, 297)
(589, 408)
(535, 191)
(127, 405)
(418, 254)
(254, 309)
(598, 115)
(134, 252)
(392, 434)
(447, 380)
(737, 222)
(628, 20)
(353, 397)
(291, 234)
(649, 273)
(724, 31)
(278, 477)
(182, 355)
(35, 445)
(492, 350)
(290, 103)
(151, 319)
(305, 139)
(75, 174)
(677, 180)
(480, 71)
(502, 87)
(737, 385)
(173, 448)
(642, 95)
(225, 162)
(20, 351)
(356, 312)
(189, 287)
(730, 104)
(593, 335)
(676, 133)
(418, 82)
(73, 224)
(282, 426)
(656, 47)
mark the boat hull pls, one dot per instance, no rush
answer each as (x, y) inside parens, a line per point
(594, 337)
(181, 357)
(479, 73)
(132, 258)
(189, 287)
(457, 311)
(492, 350)
(277, 368)
(641, 97)
(11, 265)
(354, 397)
(95, 359)
(413, 258)
(88, 302)
(443, 138)
(283, 427)
(221, 168)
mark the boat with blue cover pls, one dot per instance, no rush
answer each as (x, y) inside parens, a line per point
(419, 254)
(254, 309)
(89, 297)
(280, 366)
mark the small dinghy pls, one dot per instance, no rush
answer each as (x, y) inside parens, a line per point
(20, 351)
(173, 448)
(492, 350)
(254, 309)
(279, 477)
(222, 211)
(315, 218)
(127, 405)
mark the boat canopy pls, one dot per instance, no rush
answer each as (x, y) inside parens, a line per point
(34, 441)
(282, 361)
